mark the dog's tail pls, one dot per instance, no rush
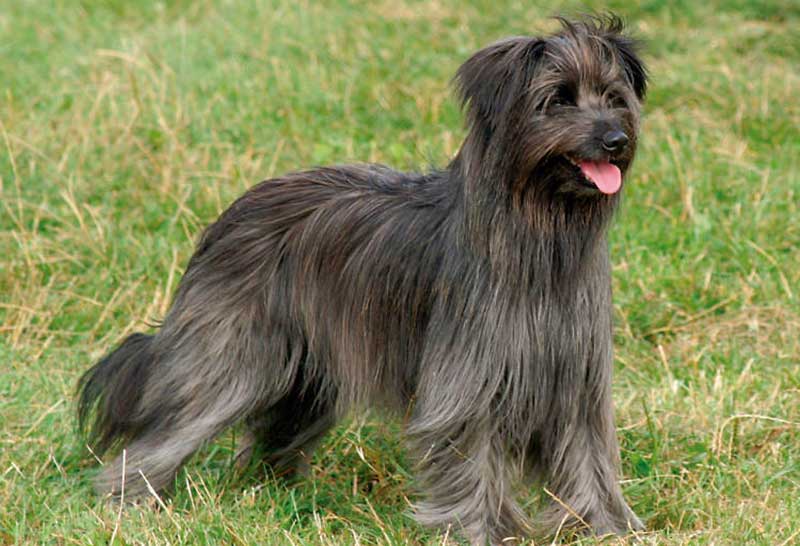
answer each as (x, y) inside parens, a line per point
(110, 392)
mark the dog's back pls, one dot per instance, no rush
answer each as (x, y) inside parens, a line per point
(343, 256)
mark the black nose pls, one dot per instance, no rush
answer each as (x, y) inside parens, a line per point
(615, 141)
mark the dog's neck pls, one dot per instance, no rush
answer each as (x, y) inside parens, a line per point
(549, 234)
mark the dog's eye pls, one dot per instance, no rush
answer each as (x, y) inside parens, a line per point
(616, 100)
(563, 97)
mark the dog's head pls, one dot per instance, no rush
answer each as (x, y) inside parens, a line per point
(561, 111)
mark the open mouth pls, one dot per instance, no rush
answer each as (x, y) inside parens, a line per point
(603, 175)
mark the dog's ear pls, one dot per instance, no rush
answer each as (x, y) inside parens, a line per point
(494, 78)
(634, 68)
(612, 27)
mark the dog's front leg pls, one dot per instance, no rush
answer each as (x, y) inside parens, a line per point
(465, 476)
(583, 468)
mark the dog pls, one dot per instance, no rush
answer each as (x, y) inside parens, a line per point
(475, 299)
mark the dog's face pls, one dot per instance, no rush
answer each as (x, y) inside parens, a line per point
(564, 109)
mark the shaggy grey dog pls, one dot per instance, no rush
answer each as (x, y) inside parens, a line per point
(476, 298)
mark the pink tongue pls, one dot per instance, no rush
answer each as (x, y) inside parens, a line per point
(606, 177)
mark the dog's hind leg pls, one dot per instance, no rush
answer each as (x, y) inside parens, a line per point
(200, 374)
(176, 414)
(285, 434)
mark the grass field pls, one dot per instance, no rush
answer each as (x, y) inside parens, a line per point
(125, 127)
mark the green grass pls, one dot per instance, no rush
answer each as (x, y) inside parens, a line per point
(127, 126)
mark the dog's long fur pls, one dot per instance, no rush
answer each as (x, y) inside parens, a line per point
(477, 296)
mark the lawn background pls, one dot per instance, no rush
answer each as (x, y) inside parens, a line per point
(125, 127)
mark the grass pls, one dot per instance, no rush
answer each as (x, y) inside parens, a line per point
(125, 127)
